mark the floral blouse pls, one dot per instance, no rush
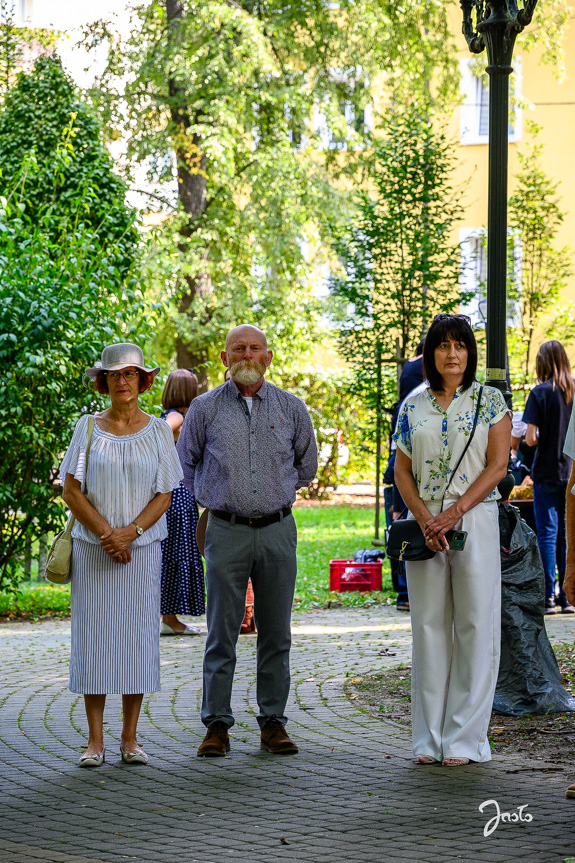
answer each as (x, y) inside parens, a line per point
(434, 439)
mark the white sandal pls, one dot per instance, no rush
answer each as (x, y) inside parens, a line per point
(189, 630)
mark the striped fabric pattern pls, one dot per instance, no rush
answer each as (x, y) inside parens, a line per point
(115, 621)
(124, 473)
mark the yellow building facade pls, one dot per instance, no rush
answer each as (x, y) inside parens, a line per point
(547, 102)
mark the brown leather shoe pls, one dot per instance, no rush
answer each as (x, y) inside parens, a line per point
(275, 739)
(216, 741)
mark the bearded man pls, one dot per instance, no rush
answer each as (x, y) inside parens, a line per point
(245, 448)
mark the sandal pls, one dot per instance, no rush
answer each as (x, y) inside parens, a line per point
(426, 759)
(455, 762)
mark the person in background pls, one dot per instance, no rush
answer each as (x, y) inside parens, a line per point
(119, 505)
(410, 382)
(455, 596)
(521, 454)
(547, 414)
(183, 590)
(569, 580)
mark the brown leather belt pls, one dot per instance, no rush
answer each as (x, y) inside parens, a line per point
(253, 520)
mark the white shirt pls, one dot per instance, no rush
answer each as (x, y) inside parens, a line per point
(415, 391)
(124, 473)
(435, 438)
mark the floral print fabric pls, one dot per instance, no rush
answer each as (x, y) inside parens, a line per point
(434, 439)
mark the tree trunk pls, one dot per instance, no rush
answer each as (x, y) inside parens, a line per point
(192, 192)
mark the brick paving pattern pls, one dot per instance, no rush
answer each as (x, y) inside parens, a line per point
(352, 794)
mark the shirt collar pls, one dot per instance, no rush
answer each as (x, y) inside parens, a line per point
(261, 393)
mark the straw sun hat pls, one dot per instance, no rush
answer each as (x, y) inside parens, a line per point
(116, 357)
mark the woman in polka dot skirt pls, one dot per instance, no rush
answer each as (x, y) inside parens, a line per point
(183, 590)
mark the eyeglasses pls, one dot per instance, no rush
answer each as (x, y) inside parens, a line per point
(445, 316)
(128, 376)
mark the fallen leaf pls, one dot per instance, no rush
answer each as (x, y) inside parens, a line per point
(284, 841)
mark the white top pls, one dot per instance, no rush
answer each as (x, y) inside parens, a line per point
(415, 391)
(124, 473)
(435, 438)
(249, 401)
(518, 427)
(569, 445)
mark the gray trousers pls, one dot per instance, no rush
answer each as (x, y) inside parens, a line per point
(234, 553)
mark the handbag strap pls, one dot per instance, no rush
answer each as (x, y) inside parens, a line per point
(91, 422)
(467, 445)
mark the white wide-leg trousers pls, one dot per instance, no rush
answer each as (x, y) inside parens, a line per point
(455, 603)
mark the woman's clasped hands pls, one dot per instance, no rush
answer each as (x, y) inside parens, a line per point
(116, 542)
(436, 527)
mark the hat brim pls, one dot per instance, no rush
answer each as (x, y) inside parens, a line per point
(201, 531)
(93, 373)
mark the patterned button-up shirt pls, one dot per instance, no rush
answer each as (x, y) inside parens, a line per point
(242, 463)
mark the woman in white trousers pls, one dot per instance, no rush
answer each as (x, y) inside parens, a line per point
(455, 597)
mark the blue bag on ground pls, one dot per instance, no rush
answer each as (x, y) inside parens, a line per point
(529, 679)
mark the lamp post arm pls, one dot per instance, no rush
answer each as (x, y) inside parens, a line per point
(525, 15)
(472, 37)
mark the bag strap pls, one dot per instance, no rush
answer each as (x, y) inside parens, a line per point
(467, 445)
(91, 422)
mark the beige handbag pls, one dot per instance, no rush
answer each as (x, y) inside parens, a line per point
(60, 554)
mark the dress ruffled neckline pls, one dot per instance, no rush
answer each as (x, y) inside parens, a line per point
(121, 437)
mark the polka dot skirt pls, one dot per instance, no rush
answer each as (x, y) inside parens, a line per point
(183, 590)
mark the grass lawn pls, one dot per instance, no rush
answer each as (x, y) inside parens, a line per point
(324, 533)
(332, 533)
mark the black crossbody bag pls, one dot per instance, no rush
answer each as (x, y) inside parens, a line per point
(404, 539)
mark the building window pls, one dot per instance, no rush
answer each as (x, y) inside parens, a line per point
(473, 275)
(474, 112)
(358, 120)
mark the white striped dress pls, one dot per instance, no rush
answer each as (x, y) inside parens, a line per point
(116, 607)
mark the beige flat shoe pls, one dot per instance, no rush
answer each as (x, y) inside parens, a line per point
(135, 756)
(92, 760)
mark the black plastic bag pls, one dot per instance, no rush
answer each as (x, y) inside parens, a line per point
(369, 555)
(529, 679)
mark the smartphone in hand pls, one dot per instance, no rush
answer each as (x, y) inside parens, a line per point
(456, 539)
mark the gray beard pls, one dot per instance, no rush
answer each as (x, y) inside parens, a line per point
(247, 372)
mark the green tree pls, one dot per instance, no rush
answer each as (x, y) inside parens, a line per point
(399, 262)
(68, 285)
(68, 177)
(244, 104)
(540, 272)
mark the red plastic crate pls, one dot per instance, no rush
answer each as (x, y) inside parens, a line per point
(351, 575)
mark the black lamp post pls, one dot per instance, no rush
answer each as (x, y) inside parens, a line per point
(496, 26)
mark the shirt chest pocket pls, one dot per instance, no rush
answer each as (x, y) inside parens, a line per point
(281, 438)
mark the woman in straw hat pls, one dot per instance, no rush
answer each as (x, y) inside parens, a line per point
(119, 504)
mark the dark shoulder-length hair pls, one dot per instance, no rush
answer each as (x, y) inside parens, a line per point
(180, 389)
(552, 364)
(454, 327)
(101, 382)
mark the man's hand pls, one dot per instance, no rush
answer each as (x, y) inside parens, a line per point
(569, 582)
(117, 541)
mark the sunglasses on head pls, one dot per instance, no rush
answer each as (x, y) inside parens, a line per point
(446, 316)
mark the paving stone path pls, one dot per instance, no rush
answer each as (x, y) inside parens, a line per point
(352, 794)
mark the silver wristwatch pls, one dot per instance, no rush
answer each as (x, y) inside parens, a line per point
(139, 530)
